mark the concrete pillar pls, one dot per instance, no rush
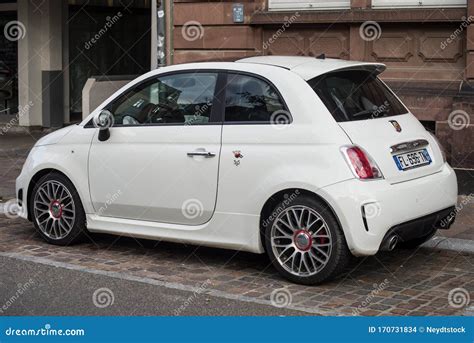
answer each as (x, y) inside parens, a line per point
(154, 35)
(65, 59)
(160, 12)
(41, 80)
(169, 12)
(98, 89)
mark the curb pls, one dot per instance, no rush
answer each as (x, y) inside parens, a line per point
(452, 244)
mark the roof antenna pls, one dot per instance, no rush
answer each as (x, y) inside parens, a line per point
(321, 57)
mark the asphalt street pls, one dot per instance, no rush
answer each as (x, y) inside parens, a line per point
(61, 291)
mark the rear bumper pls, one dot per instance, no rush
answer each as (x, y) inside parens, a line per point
(367, 211)
(21, 189)
(418, 228)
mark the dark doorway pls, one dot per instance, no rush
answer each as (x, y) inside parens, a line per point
(8, 66)
(106, 41)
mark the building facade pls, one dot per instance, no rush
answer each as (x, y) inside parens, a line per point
(428, 46)
(49, 49)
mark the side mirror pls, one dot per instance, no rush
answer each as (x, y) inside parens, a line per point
(103, 121)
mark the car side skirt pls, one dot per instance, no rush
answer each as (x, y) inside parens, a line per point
(233, 231)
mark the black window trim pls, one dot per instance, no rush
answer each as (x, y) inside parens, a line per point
(217, 112)
(262, 78)
(215, 117)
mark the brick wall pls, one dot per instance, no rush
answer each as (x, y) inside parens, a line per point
(427, 78)
(204, 30)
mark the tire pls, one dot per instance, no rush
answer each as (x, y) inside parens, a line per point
(319, 249)
(57, 211)
(415, 243)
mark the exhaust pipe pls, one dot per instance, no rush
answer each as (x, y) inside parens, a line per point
(390, 243)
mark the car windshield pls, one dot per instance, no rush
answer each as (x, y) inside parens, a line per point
(356, 95)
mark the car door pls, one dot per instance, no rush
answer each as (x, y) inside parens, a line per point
(161, 160)
(255, 140)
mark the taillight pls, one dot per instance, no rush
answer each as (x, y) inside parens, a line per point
(361, 164)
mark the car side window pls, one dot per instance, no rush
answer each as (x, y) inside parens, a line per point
(183, 98)
(251, 99)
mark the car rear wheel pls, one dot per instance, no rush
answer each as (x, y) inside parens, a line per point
(304, 241)
(57, 211)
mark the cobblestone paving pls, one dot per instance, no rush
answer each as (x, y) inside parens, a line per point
(404, 282)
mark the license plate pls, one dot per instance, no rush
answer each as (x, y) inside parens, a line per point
(412, 159)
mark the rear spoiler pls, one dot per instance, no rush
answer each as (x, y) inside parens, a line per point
(309, 71)
(372, 68)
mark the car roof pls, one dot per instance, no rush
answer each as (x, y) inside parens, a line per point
(311, 67)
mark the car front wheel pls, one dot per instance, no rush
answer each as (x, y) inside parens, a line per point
(57, 211)
(304, 241)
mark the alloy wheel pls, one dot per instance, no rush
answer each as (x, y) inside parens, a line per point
(301, 241)
(54, 209)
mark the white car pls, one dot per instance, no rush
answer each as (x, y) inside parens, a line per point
(310, 160)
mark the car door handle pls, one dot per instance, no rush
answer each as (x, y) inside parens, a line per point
(201, 153)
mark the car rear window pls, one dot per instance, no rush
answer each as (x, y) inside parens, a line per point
(356, 95)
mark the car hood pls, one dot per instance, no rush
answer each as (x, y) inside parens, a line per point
(54, 137)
